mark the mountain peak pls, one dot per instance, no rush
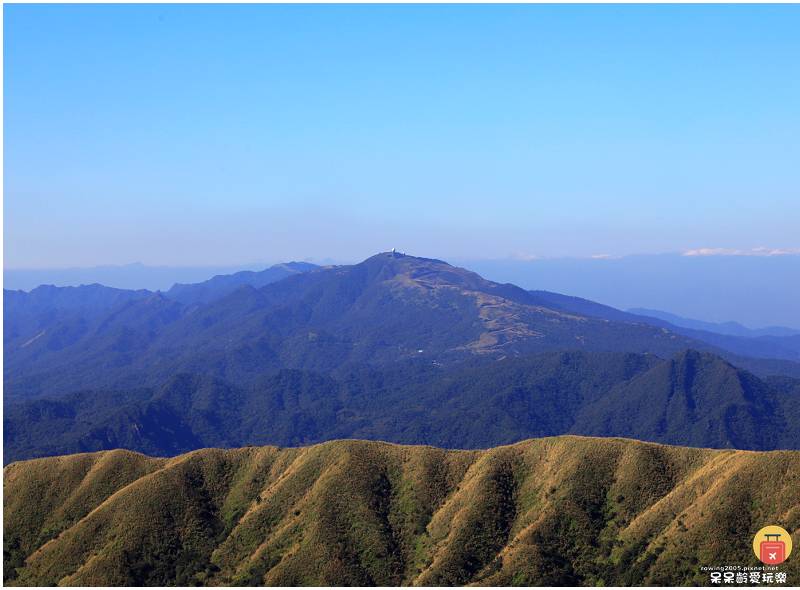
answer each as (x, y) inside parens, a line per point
(401, 269)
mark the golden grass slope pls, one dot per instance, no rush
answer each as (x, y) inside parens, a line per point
(554, 511)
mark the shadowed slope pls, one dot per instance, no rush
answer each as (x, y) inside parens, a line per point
(554, 511)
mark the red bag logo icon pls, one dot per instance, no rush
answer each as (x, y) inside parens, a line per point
(773, 552)
(772, 545)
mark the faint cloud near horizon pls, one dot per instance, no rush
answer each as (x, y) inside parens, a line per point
(523, 256)
(761, 251)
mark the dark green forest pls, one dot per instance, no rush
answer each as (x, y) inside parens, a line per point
(691, 399)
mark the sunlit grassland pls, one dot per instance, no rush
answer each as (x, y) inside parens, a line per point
(552, 511)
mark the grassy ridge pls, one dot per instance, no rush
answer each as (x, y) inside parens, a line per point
(553, 511)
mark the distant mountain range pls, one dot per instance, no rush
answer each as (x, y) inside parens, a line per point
(776, 347)
(207, 291)
(566, 511)
(726, 328)
(97, 297)
(383, 311)
(128, 276)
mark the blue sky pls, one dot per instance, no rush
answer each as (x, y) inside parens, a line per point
(230, 134)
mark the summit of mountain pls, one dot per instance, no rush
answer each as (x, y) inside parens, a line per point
(388, 309)
(427, 274)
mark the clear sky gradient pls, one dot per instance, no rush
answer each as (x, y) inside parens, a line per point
(230, 134)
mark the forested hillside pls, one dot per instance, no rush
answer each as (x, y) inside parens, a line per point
(690, 399)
